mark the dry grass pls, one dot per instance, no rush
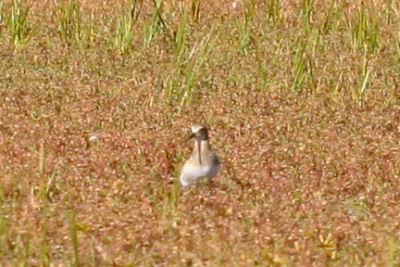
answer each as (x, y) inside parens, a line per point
(302, 100)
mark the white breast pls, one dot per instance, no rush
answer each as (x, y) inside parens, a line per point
(191, 173)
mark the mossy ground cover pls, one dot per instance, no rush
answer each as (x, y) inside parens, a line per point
(302, 98)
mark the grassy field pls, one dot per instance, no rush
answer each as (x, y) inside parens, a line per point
(303, 102)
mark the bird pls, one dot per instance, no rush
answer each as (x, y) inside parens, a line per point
(203, 163)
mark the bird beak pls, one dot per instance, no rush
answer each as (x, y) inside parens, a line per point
(191, 136)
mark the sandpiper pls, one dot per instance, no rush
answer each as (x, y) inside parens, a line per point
(203, 163)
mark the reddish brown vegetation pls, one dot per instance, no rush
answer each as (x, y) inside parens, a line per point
(311, 172)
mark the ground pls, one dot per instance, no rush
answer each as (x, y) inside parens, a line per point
(97, 100)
